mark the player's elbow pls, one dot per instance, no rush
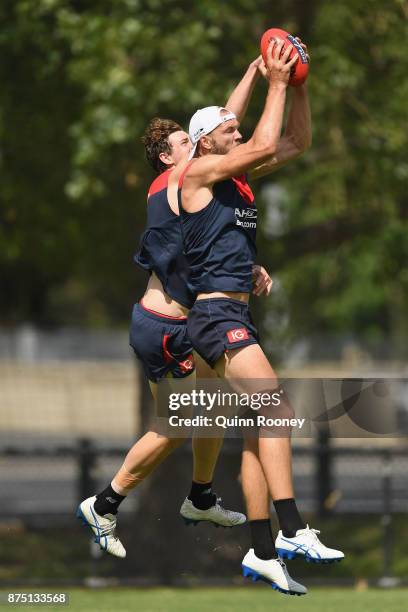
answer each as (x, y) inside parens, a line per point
(262, 149)
(302, 144)
(301, 141)
(265, 152)
(307, 143)
(306, 140)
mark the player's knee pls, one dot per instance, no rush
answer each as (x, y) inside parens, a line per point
(279, 406)
(167, 445)
(174, 443)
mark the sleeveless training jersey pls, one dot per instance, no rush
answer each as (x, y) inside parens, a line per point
(161, 246)
(219, 240)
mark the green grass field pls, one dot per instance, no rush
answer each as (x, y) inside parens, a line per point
(258, 598)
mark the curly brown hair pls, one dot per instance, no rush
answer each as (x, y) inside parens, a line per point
(156, 140)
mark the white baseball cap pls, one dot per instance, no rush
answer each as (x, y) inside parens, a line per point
(204, 121)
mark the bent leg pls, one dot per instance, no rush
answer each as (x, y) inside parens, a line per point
(142, 459)
(99, 512)
(145, 455)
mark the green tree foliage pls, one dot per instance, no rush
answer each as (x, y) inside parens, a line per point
(348, 197)
(83, 78)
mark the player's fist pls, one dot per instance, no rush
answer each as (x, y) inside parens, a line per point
(278, 64)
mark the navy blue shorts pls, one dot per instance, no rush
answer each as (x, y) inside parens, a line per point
(161, 343)
(217, 325)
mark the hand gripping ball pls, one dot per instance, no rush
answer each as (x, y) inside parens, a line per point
(301, 69)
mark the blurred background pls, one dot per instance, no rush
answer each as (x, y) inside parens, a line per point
(80, 81)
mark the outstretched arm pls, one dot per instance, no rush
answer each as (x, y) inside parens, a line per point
(297, 136)
(299, 123)
(240, 97)
(262, 145)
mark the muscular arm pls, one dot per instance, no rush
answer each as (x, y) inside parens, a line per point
(297, 136)
(240, 97)
(299, 124)
(263, 144)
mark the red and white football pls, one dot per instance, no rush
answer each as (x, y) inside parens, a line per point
(301, 69)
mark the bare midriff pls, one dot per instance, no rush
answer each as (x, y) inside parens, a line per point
(234, 295)
(155, 298)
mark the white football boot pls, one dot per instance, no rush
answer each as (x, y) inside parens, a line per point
(306, 544)
(216, 514)
(272, 571)
(103, 527)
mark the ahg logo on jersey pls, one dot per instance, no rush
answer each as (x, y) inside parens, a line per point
(236, 335)
(246, 217)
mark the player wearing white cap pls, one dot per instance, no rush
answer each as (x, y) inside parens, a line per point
(218, 215)
(160, 340)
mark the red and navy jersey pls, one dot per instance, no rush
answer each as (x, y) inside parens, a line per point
(219, 240)
(161, 245)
